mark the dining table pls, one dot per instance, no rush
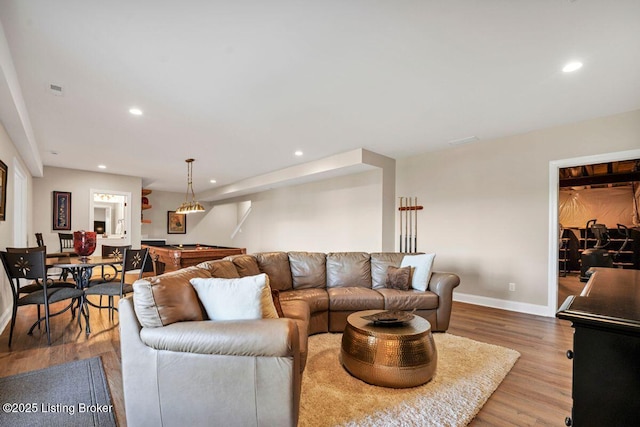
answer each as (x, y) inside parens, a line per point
(81, 269)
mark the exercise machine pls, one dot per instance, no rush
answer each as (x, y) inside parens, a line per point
(598, 256)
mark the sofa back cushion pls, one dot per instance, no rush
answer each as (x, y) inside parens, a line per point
(380, 261)
(246, 265)
(348, 269)
(308, 270)
(276, 266)
(220, 268)
(168, 298)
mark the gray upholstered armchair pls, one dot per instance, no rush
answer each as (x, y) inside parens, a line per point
(203, 373)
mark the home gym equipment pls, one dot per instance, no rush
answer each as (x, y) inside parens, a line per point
(598, 256)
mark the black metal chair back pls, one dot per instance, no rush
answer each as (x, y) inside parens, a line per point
(27, 263)
(135, 259)
(114, 251)
(66, 242)
(39, 239)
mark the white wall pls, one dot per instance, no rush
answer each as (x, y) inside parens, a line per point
(164, 201)
(487, 204)
(337, 214)
(79, 183)
(8, 153)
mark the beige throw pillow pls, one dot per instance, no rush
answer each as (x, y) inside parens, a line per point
(236, 299)
(421, 273)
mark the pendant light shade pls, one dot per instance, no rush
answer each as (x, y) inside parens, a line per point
(193, 205)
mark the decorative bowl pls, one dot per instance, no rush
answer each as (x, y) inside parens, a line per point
(389, 317)
(84, 243)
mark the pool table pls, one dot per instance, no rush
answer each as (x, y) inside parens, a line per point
(174, 257)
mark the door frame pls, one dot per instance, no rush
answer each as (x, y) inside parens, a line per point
(20, 208)
(554, 192)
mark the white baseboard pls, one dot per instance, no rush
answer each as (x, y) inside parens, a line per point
(520, 307)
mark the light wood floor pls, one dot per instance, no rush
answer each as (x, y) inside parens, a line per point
(536, 392)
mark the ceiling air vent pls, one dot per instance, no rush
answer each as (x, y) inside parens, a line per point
(56, 89)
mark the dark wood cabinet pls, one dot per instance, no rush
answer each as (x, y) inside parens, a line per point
(606, 349)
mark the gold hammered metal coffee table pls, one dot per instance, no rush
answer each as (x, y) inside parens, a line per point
(389, 356)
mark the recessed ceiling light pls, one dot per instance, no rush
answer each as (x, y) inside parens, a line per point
(102, 167)
(54, 152)
(298, 153)
(135, 111)
(213, 181)
(572, 66)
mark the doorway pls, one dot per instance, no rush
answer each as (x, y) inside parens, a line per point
(554, 224)
(110, 217)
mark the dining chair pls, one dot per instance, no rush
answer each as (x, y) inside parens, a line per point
(39, 239)
(110, 273)
(55, 280)
(66, 242)
(29, 264)
(134, 260)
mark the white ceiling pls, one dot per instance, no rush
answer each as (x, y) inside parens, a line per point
(241, 85)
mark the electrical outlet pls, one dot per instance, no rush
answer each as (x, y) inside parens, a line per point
(512, 287)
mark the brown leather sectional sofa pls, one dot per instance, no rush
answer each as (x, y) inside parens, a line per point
(180, 369)
(337, 284)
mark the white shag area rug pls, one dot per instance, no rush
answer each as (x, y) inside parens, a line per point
(467, 373)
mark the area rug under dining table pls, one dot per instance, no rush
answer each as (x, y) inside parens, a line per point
(468, 373)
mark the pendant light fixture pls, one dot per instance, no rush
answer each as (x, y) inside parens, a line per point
(193, 205)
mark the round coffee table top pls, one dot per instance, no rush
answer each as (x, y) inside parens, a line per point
(415, 326)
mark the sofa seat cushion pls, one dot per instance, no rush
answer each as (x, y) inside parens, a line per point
(348, 269)
(276, 266)
(168, 298)
(316, 299)
(354, 299)
(308, 269)
(395, 299)
(380, 261)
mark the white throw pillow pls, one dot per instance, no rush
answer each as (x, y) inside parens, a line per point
(236, 299)
(421, 269)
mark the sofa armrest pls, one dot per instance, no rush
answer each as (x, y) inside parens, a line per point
(296, 309)
(261, 338)
(442, 284)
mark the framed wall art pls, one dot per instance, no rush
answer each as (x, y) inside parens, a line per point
(61, 210)
(176, 223)
(3, 191)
